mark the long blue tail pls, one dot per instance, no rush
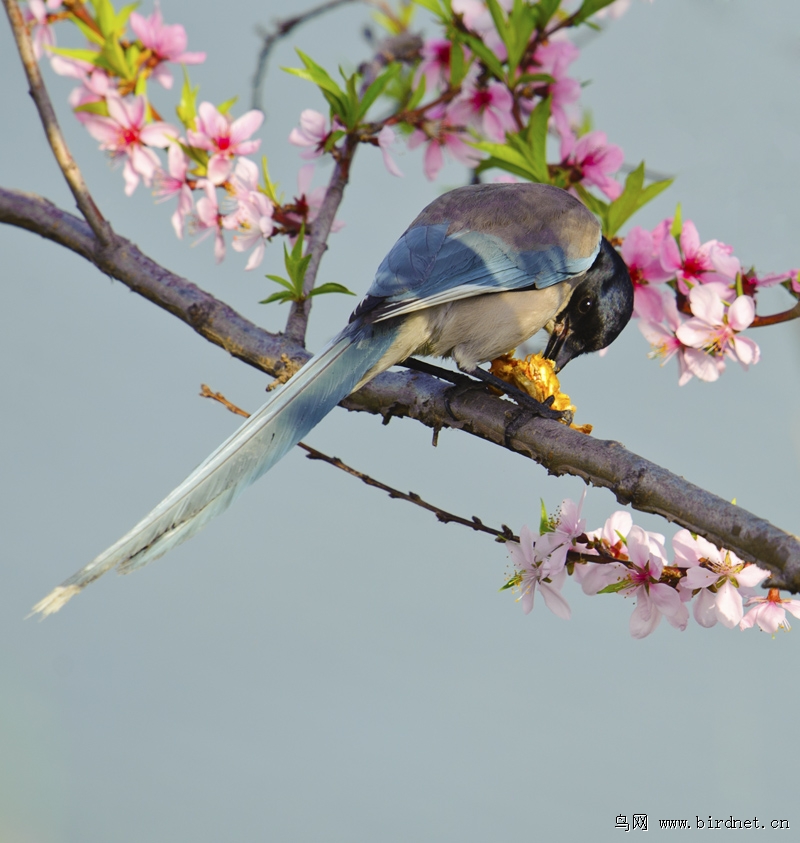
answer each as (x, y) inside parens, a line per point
(289, 414)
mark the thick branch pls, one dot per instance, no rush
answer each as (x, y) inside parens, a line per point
(211, 318)
(633, 479)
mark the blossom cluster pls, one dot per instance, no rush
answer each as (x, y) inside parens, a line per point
(203, 165)
(670, 266)
(473, 102)
(487, 91)
(633, 562)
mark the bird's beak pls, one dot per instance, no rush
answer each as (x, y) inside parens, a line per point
(558, 350)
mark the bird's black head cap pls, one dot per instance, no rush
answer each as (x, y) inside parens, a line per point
(598, 309)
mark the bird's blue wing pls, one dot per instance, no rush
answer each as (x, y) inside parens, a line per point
(482, 239)
(427, 267)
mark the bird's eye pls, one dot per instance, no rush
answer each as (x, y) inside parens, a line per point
(585, 304)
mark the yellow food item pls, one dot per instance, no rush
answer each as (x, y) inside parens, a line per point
(535, 376)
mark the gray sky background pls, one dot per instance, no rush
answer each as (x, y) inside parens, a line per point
(323, 663)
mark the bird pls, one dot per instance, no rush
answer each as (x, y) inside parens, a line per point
(479, 271)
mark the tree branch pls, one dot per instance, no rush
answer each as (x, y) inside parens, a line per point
(52, 130)
(281, 28)
(633, 479)
(297, 323)
(211, 318)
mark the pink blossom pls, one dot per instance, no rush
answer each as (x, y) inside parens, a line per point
(313, 133)
(478, 18)
(694, 263)
(208, 218)
(173, 183)
(224, 138)
(553, 547)
(252, 216)
(646, 556)
(533, 574)
(595, 576)
(553, 58)
(640, 251)
(771, 279)
(664, 341)
(770, 612)
(256, 227)
(166, 43)
(42, 35)
(439, 135)
(244, 180)
(308, 200)
(653, 599)
(124, 133)
(720, 577)
(486, 109)
(595, 159)
(96, 85)
(386, 139)
(717, 332)
(435, 64)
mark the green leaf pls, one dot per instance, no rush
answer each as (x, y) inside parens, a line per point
(677, 223)
(503, 153)
(330, 287)
(434, 8)
(625, 205)
(187, 107)
(615, 587)
(280, 296)
(123, 15)
(595, 205)
(113, 58)
(544, 519)
(512, 583)
(485, 55)
(377, 88)
(535, 136)
(90, 56)
(458, 67)
(498, 18)
(652, 190)
(521, 23)
(270, 188)
(330, 90)
(105, 16)
(89, 33)
(588, 8)
(225, 107)
(282, 281)
(416, 97)
(633, 197)
(525, 78)
(545, 10)
(100, 108)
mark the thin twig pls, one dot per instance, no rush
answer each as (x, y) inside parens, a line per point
(281, 29)
(475, 523)
(505, 534)
(758, 322)
(776, 318)
(297, 323)
(55, 138)
(634, 480)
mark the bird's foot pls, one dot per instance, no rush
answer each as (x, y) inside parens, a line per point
(523, 400)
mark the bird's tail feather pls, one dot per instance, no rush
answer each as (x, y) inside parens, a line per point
(253, 449)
